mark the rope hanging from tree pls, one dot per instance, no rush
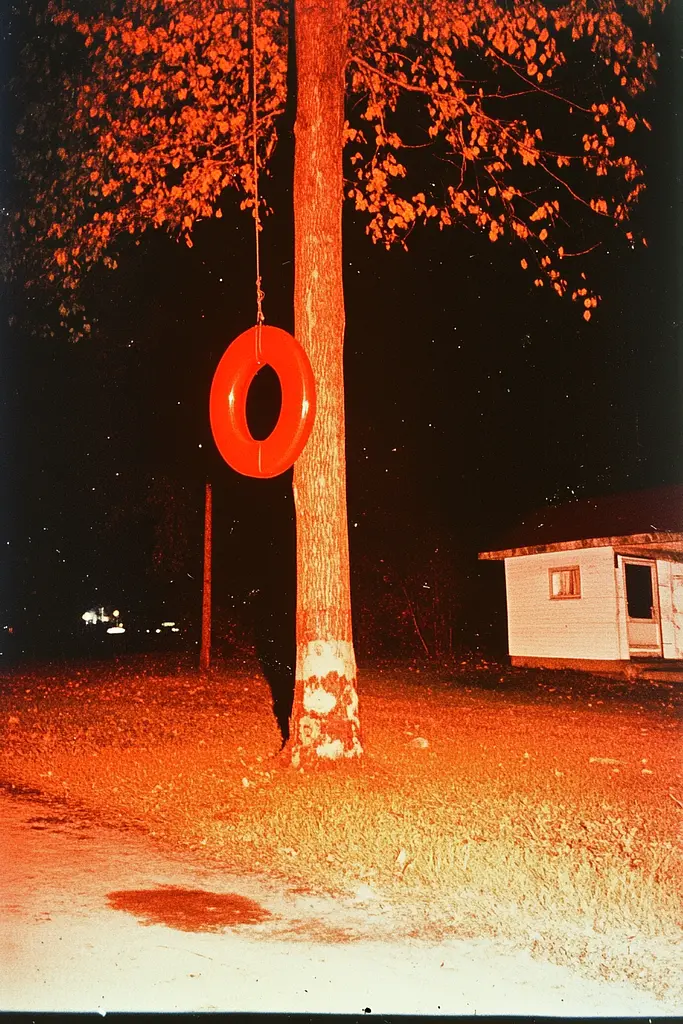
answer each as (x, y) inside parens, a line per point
(257, 219)
(255, 348)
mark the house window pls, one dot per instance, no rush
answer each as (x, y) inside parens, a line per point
(565, 582)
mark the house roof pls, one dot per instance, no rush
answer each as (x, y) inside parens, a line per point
(641, 522)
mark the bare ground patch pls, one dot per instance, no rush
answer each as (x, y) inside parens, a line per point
(543, 808)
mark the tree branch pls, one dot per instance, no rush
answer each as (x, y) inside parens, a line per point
(394, 81)
(534, 86)
(417, 628)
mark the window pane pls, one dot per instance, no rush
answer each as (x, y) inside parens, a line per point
(565, 582)
(639, 597)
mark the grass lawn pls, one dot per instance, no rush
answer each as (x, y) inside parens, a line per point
(544, 807)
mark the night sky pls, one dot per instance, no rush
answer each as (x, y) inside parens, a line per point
(472, 399)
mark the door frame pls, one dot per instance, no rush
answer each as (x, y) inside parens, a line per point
(634, 651)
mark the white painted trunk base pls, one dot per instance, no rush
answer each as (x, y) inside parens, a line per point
(326, 724)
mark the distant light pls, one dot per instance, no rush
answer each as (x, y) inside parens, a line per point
(89, 617)
(168, 623)
(175, 630)
(116, 629)
(157, 631)
(116, 613)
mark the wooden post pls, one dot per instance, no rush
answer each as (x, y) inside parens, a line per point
(205, 653)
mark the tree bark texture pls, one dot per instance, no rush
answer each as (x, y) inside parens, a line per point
(325, 722)
(205, 650)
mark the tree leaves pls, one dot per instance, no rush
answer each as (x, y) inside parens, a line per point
(156, 128)
(452, 114)
(473, 116)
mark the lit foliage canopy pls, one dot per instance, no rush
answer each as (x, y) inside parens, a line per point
(525, 110)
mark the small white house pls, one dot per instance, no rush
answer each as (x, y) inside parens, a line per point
(609, 602)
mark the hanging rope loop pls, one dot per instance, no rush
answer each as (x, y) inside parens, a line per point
(257, 219)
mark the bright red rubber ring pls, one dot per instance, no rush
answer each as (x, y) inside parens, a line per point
(228, 402)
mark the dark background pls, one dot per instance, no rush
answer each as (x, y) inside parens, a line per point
(472, 399)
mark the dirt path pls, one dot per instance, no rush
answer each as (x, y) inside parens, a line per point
(89, 922)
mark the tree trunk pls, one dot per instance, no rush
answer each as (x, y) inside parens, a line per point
(205, 651)
(325, 721)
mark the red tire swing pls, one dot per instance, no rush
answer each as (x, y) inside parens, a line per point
(245, 356)
(240, 363)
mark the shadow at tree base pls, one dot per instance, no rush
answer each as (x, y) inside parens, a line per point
(275, 649)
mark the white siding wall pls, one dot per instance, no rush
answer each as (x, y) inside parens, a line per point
(584, 627)
(677, 607)
(622, 626)
(666, 611)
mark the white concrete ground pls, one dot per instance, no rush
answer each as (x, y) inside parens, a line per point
(63, 947)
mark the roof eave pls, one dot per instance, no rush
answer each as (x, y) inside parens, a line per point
(660, 540)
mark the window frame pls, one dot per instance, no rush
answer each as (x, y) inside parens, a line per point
(574, 569)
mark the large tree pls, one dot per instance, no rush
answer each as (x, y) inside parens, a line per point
(515, 114)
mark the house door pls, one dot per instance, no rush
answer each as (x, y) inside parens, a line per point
(642, 608)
